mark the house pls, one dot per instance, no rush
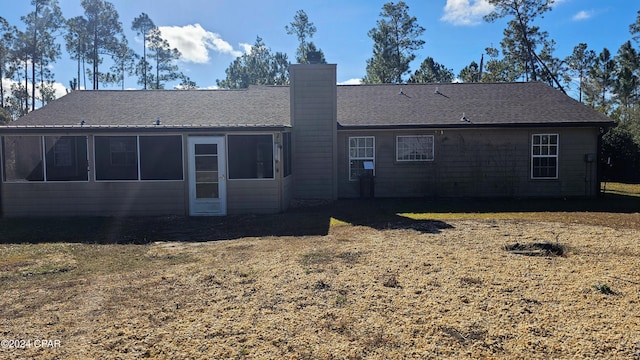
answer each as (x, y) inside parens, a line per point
(222, 152)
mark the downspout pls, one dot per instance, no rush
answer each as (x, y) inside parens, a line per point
(599, 163)
(1, 175)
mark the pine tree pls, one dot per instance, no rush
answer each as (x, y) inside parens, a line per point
(143, 25)
(257, 67)
(395, 40)
(431, 71)
(42, 24)
(302, 28)
(104, 34)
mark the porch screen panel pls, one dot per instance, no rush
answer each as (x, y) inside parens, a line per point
(66, 158)
(116, 157)
(161, 157)
(23, 158)
(250, 156)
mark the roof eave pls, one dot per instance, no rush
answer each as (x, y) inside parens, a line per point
(471, 125)
(8, 129)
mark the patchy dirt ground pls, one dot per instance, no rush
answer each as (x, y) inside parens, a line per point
(447, 289)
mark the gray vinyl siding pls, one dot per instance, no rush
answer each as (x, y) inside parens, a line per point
(253, 196)
(475, 163)
(313, 116)
(287, 192)
(579, 178)
(93, 198)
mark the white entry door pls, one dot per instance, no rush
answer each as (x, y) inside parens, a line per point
(207, 176)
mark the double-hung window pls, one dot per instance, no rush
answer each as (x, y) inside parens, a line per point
(544, 156)
(361, 156)
(414, 148)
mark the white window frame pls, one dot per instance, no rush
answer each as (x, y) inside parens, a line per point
(359, 154)
(542, 150)
(414, 148)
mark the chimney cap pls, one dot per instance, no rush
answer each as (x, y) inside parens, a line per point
(313, 57)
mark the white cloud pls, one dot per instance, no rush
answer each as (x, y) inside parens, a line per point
(351, 82)
(582, 15)
(6, 85)
(466, 12)
(59, 90)
(246, 47)
(194, 42)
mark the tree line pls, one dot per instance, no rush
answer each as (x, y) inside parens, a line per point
(25, 54)
(604, 80)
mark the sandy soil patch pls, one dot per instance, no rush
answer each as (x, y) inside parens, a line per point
(356, 293)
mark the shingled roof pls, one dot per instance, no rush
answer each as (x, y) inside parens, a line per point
(359, 106)
(445, 105)
(254, 107)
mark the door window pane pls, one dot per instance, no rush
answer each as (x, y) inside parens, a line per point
(207, 191)
(206, 171)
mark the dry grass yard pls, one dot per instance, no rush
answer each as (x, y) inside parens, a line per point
(398, 280)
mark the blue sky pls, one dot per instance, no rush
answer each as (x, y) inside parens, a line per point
(211, 33)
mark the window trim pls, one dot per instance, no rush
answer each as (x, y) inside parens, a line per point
(430, 156)
(139, 179)
(287, 144)
(360, 158)
(556, 156)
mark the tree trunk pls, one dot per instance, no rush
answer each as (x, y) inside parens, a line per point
(1, 87)
(26, 86)
(144, 59)
(95, 58)
(34, 55)
(527, 43)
